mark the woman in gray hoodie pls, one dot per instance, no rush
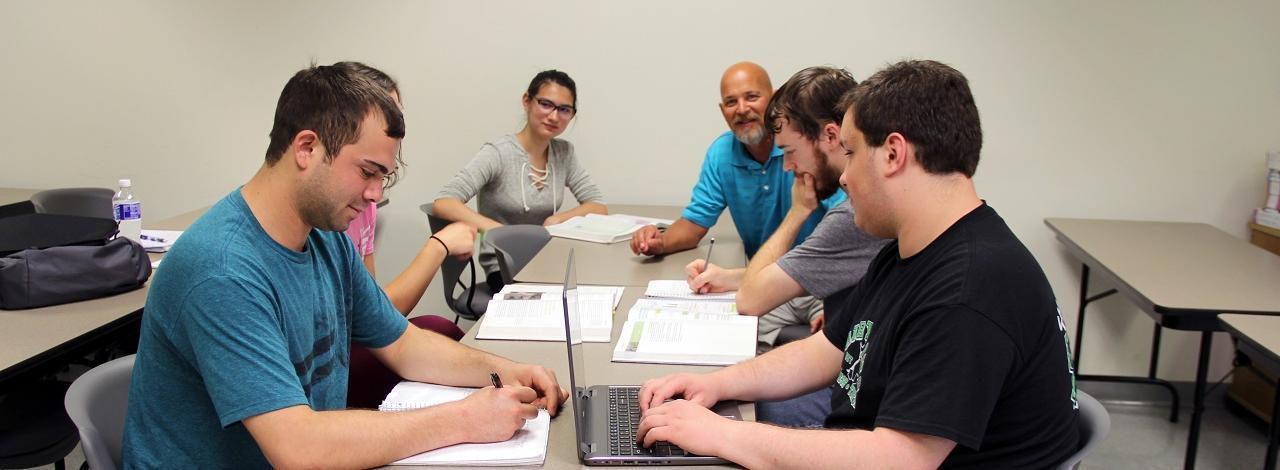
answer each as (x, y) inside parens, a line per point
(520, 178)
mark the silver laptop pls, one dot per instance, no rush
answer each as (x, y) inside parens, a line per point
(606, 416)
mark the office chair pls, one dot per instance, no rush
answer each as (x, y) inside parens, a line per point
(96, 403)
(516, 246)
(472, 301)
(84, 202)
(34, 428)
(791, 333)
(1095, 424)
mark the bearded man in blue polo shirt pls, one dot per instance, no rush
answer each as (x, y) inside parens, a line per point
(743, 171)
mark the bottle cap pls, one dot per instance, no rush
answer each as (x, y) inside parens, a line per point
(125, 183)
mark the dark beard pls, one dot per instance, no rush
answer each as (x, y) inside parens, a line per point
(827, 181)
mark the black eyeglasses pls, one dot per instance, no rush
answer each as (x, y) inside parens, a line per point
(547, 106)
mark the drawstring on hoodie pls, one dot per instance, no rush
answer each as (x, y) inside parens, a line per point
(539, 178)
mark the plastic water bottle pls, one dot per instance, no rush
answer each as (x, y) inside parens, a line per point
(1273, 182)
(128, 211)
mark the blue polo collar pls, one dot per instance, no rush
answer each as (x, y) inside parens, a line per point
(745, 160)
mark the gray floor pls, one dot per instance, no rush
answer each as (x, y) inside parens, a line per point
(1141, 435)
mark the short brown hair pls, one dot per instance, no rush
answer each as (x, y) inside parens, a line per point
(332, 101)
(810, 99)
(930, 104)
(379, 77)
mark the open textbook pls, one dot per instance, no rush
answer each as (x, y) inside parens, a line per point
(527, 447)
(534, 312)
(648, 308)
(552, 291)
(666, 331)
(598, 228)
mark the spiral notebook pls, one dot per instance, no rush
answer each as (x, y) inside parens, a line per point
(679, 290)
(527, 447)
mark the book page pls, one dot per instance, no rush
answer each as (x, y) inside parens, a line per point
(545, 291)
(639, 315)
(543, 320)
(593, 228)
(727, 308)
(687, 341)
(642, 221)
(650, 309)
(598, 228)
(601, 225)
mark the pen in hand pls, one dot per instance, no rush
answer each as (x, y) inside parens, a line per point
(706, 264)
(710, 245)
(497, 381)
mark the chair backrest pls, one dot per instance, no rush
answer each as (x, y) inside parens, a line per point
(451, 272)
(516, 246)
(1095, 424)
(96, 402)
(84, 202)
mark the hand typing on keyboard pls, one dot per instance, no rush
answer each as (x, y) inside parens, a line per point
(691, 426)
(697, 388)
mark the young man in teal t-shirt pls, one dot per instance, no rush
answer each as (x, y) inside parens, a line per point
(243, 355)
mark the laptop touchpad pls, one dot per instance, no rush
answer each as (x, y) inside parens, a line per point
(728, 409)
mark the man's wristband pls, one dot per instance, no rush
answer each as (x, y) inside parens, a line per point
(446, 247)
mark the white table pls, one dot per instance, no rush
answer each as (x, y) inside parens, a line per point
(1259, 338)
(36, 337)
(1181, 274)
(614, 264)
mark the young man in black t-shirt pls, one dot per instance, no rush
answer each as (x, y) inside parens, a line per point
(949, 352)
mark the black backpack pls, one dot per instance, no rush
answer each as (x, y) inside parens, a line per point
(52, 259)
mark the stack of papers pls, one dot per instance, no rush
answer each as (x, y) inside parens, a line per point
(598, 228)
(527, 447)
(536, 313)
(675, 326)
(158, 241)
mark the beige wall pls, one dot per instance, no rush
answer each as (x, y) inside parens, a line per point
(1143, 110)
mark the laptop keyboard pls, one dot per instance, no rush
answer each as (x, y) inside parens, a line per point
(624, 417)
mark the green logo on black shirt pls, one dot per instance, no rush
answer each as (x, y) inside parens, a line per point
(850, 378)
(1066, 341)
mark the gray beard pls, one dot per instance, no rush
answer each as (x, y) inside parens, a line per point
(749, 138)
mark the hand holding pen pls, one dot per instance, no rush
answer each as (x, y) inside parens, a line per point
(496, 413)
(704, 277)
(710, 245)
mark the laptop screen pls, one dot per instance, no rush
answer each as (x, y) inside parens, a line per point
(573, 332)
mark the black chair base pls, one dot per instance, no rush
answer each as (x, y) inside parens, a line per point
(34, 427)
